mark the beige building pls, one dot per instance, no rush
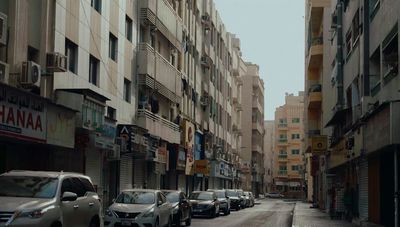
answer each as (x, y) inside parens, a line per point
(269, 144)
(253, 129)
(288, 150)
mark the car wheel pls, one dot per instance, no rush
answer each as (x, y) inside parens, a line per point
(56, 224)
(188, 221)
(95, 222)
(226, 211)
(213, 213)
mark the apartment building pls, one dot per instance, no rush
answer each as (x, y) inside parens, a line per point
(269, 144)
(253, 129)
(288, 149)
(359, 70)
(70, 65)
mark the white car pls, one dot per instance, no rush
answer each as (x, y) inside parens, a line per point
(53, 199)
(274, 195)
(139, 207)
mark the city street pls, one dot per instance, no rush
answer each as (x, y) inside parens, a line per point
(267, 212)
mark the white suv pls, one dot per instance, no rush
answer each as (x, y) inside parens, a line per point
(53, 199)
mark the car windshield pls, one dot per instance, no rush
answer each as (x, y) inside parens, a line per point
(135, 197)
(246, 193)
(28, 186)
(232, 193)
(172, 197)
(220, 194)
(201, 196)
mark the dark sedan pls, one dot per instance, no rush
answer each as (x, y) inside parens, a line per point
(235, 200)
(182, 207)
(205, 203)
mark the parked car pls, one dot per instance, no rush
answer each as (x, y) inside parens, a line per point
(235, 200)
(241, 196)
(205, 203)
(249, 199)
(139, 207)
(223, 199)
(182, 207)
(39, 198)
(252, 199)
(274, 195)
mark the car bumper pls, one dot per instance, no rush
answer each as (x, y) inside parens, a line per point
(235, 205)
(202, 211)
(129, 222)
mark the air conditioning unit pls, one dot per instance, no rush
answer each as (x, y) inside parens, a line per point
(205, 61)
(56, 62)
(204, 100)
(3, 29)
(114, 154)
(30, 74)
(4, 72)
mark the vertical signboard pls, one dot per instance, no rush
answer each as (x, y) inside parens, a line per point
(189, 143)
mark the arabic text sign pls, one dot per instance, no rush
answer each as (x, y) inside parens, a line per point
(22, 115)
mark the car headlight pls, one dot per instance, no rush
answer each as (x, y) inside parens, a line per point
(176, 209)
(108, 213)
(149, 213)
(35, 213)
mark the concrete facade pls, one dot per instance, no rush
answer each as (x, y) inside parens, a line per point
(269, 144)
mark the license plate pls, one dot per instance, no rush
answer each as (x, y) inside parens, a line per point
(125, 223)
(198, 211)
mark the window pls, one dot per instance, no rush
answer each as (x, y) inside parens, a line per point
(96, 4)
(282, 121)
(374, 6)
(282, 168)
(71, 51)
(375, 72)
(295, 168)
(356, 27)
(113, 47)
(127, 90)
(295, 120)
(295, 136)
(128, 28)
(390, 55)
(295, 151)
(111, 113)
(94, 70)
(282, 136)
(348, 43)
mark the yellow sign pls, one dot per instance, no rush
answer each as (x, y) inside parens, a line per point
(319, 144)
(202, 166)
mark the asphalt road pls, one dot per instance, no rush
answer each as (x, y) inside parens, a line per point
(269, 212)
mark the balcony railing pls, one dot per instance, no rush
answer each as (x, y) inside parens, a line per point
(256, 104)
(159, 126)
(282, 156)
(157, 73)
(282, 140)
(282, 125)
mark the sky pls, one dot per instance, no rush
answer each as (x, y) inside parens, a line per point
(272, 35)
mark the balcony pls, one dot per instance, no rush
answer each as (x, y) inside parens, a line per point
(257, 148)
(283, 156)
(158, 126)
(283, 126)
(282, 142)
(256, 126)
(314, 99)
(282, 172)
(157, 73)
(315, 52)
(258, 84)
(257, 105)
(160, 13)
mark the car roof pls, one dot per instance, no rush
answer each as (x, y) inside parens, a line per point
(51, 174)
(140, 190)
(202, 191)
(177, 191)
(216, 190)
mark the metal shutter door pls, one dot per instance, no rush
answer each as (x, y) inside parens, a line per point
(363, 194)
(125, 179)
(94, 167)
(139, 174)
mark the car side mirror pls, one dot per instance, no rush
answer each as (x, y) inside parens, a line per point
(227, 197)
(159, 203)
(69, 196)
(215, 200)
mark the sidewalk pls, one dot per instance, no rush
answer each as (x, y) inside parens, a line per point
(304, 216)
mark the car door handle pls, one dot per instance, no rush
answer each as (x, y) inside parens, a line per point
(76, 206)
(91, 204)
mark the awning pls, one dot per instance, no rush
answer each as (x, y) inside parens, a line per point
(87, 92)
(337, 117)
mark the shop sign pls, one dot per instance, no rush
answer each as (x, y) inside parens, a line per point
(202, 167)
(161, 156)
(22, 115)
(104, 136)
(152, 147)
(319, 144)
(60, 126)
(134, 137)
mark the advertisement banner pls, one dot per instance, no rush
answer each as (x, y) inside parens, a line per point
(181, 159)
(198, 144)
(60, 127)
(189, 143)
(22, 115)
(319, 144)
